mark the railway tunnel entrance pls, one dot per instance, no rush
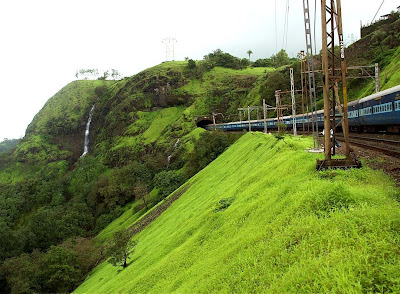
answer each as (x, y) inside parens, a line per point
(202, 121)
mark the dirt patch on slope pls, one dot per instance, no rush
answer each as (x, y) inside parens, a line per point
(142, 223)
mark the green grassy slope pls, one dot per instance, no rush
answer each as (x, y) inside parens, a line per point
(391, 73)
(127, 219)
(288, 229)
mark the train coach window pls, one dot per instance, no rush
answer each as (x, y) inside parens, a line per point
(397, 105)
(387, 107)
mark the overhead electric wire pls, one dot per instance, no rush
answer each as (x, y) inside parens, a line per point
(377, 11)
(287, 23)
(285, 27)
(276, 33)
(315, 17)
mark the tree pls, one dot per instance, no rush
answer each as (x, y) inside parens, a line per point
(281, 58)
(121, 245)
(87, 73)
(22, 273)
(115, 74)
(249, 52)
(191, 64)
(167, 182)
(141, 192)
(60, 270)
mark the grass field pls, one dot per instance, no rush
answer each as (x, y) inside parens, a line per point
(164, 118)
(261, 219)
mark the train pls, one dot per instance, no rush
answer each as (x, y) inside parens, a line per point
(379, 112)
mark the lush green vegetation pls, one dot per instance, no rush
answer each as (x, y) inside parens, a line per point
(261, 219)
(142, 138)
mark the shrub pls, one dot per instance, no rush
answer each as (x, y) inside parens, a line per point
(167, 182)
(191, 64)
(223, 204)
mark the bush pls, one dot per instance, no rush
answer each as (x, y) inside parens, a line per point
(191, 64)
(167, 182)
(223, 204)
(224, 59)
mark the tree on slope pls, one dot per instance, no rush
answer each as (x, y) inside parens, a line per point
(120, 247)
(141, 192)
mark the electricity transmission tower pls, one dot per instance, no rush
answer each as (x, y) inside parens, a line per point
(169, 44)
(332, 35)
(311, 74)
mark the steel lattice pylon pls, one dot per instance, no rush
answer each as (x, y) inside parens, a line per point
(310, 68)
(331, 20)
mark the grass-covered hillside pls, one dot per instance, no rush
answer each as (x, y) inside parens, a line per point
(143, 144)
(261, 219)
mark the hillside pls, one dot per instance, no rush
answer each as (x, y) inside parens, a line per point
(261, 219)
(143, 141)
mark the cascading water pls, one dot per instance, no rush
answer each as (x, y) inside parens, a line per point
(86, 146)
(169, 156)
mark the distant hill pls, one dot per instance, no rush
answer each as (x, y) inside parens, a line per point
(8, 144)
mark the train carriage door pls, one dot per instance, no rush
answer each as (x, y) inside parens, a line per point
(362, 116)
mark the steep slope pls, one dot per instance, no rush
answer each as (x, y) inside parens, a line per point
(142, 134)
(261, 219)
(54, 139)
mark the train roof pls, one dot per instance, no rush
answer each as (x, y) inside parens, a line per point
(380, 94)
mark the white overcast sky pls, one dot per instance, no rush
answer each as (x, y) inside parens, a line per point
(44, 42)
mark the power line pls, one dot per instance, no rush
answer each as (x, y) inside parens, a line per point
(315, 18)
(285, 27)
(287, 23)
(377, 11)
(276, 33)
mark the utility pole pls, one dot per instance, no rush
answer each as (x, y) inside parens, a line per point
(304, 92)
(265, 117)
(248, 117)
(310, 67)
(377, 82)
(278, 109)
(331, 19)
(293, 102)
(215, 126)
(214, 115)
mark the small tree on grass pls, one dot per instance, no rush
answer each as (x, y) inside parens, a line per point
(141, 192)
(121, 245)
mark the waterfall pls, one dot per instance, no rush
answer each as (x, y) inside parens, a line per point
(86, 146)
(169, 156)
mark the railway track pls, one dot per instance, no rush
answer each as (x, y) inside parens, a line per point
(387, 146)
